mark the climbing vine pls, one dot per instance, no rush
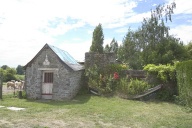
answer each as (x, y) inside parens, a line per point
(164, 73)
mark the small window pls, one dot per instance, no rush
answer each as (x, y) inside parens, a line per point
(48, 77)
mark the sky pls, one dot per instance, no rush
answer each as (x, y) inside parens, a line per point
(27, 25)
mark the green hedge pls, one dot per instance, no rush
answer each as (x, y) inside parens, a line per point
(184, 82)
(163, 74)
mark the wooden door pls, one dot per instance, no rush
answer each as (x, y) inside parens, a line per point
(47, 85)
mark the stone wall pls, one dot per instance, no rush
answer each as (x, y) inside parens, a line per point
(65, 81)
(135, 73)
(100, 60)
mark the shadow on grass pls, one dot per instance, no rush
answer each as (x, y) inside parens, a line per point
(79, 99)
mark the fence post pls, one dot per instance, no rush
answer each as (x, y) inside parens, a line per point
(1, 85)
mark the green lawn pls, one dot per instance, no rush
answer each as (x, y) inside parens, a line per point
(87, 111)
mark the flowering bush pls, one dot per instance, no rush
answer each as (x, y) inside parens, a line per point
(110, 80)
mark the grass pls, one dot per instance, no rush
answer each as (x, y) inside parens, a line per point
(87, 111)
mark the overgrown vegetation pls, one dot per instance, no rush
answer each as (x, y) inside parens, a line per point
(166, 75)
(12, 73)
(184, 82)
(104, 80)
(163, 73)
(152, 43)
(132, 87)
(112, 80)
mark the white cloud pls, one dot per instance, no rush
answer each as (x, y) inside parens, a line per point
(62, 28)
(25, 28)
(183, 32)
(26, 25)
(190, 21)
(182, 6)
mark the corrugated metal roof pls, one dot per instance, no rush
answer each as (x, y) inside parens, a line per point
(66, 58)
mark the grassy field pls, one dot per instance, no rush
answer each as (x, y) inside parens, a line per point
(87, 111)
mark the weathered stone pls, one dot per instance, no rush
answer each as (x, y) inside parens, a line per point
(101, 60)
(66, 81)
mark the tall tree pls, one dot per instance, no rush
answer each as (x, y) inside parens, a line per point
(4, 67)
(189, 49)
(107, 48)
(151, 43)
(112, 48)
(129, 51)
(97, 40)
(20, 70)
(9, 74)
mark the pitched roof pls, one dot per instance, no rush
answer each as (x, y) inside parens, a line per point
(64, 56)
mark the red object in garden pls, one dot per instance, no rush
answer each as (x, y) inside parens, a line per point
(115, 76)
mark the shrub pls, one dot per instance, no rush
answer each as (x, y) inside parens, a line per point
(123, 85)
(19, 77)
(184, 82)
(104, 80)
(137, 86)
(166, 75)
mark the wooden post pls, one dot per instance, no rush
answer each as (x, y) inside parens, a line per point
(1, 85)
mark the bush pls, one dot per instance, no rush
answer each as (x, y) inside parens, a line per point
(104, 80)
(166, 75)
(20, 77)
(24, 95)
(137, 87)
(184, 82)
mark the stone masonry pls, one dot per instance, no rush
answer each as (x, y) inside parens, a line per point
(100, 60)
(66, 81)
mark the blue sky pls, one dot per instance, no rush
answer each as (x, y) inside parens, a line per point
(26, 25)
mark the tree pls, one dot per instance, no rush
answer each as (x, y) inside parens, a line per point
(189, 49)
(97, 40)
(20, 70)
(107, 48)
(129, 51)
(9, 74)
(4, 67)
(151, 43)
(113, 48)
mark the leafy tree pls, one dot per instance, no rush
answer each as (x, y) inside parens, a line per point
(9, 74)
(107, 48)
(97, 40)
(129, 51)
(163, 11)
(2, 71)
(113, 48)
(4, 67)
(154, 33)
(189, 49)
(151, 43)
(20, 70)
